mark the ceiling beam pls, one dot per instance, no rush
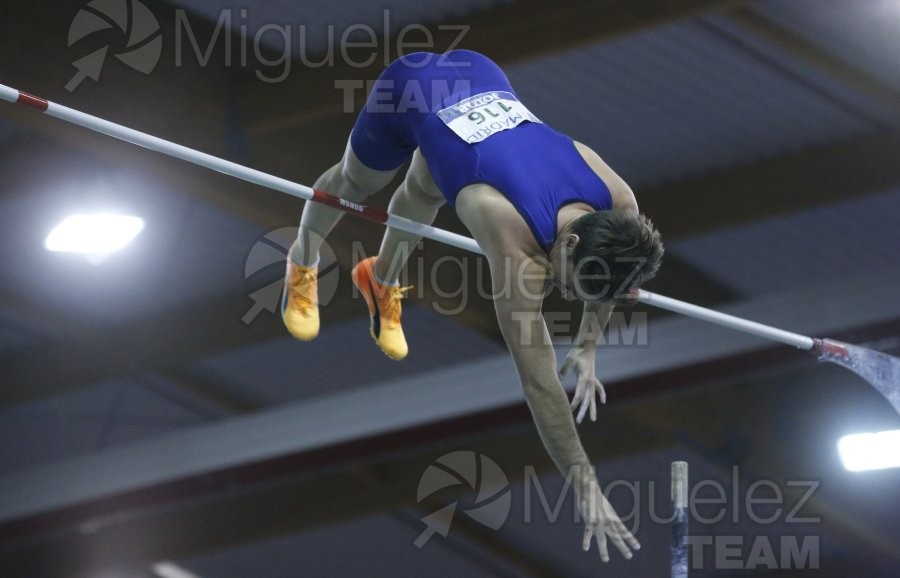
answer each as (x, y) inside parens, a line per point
(462, 390)
(374, 474)
(485, 540)
(156, 529)
(172, 340)
(814, 56)
(508, 33)
(770, 187)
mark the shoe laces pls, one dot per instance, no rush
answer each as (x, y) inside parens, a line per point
(391, 304)
(305, 278)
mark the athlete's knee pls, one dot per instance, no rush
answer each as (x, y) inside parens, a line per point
(362, 181)
(353, 186)
(359, 181)
(425, 196)
(414, 193)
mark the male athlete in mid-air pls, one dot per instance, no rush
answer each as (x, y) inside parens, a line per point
(545, 210)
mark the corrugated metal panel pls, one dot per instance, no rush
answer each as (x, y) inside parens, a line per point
(815, 247)
(542, 524)
(816, 78)
(288, 370)
(684, 99)
(114, 413)
(861, 32)
(385, 549)
(88, 420)
(310, 21)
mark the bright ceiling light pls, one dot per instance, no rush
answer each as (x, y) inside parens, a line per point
(166, 569)
(97, 234)
(870, 451)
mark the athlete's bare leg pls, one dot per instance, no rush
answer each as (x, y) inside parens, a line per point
(418, 199)
(349, 179)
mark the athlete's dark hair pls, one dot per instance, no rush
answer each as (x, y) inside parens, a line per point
(617, 251)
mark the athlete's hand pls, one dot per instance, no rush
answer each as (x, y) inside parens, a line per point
(588, 388)
(602, 522)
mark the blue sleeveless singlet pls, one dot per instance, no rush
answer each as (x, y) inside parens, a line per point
(535, 167)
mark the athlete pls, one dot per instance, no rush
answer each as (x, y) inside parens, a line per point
(546, 211)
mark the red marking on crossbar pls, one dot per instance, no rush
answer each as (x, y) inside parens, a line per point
(829, 347)
(835, 348)
(369, 213)
(33, 101)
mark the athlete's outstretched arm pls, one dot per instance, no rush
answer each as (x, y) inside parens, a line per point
(519, 289)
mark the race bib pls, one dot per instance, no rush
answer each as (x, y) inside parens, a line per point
(478, 117)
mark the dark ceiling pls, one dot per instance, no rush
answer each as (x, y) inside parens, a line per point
(154, 409)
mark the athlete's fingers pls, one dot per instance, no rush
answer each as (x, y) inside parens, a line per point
(579, 394)
(586, 539)
(576, 400)
(629, 538)
(601, 544)
(602, 392)
(585, 403)
(619, 543)
(593, 407)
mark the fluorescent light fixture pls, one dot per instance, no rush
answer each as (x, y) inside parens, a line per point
(98, 234)
(870, 451)
(167, 569)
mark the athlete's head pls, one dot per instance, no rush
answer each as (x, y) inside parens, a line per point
(605, 254)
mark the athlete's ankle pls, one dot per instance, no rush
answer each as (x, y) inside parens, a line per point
(384, 279)
(304, 260)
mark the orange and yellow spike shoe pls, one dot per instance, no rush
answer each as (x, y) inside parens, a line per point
(300, 301)
(384, 309)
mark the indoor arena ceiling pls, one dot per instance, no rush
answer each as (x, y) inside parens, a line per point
(761, 137)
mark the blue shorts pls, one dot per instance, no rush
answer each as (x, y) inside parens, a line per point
(393, 122)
